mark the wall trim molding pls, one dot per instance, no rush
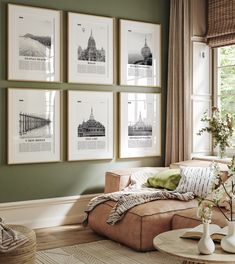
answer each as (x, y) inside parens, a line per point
(46, 212)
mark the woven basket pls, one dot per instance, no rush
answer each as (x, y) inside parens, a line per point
(24, 254)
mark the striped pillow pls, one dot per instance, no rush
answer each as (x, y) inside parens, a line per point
(198, 180)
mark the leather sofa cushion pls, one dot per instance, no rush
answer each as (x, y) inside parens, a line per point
(119, 179)
(140, 224)
(188, 219)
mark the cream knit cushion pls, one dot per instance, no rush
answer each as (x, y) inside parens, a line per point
(198, 180)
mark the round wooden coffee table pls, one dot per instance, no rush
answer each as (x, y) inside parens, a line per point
(186, 249)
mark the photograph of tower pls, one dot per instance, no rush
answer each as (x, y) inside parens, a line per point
(140, 49)
(91, 52)
(140, 53)
(139, 128)
(91, 128)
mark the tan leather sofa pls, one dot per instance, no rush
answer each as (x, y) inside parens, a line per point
(143, 222)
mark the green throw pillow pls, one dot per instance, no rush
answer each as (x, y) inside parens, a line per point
(167, 179)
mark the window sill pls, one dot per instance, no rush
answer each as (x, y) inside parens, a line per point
(213, 158)
(230, 152)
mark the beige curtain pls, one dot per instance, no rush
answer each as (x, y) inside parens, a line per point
(178, 90)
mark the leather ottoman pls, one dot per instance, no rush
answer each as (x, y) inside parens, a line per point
(140, 224)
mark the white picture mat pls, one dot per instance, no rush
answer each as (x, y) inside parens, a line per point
(153, 31)
(38, 22)
(149, 105)
(43, 103)
(80, 105)
(80, 27)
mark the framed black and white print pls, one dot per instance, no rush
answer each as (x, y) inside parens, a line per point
(90, 125)
(140, 125)
(140, 53)
(33, 125)
(34, 44)
(90, 49)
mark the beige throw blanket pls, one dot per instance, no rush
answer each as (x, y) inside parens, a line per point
(135, 194)
(9, 238)
(131, 197)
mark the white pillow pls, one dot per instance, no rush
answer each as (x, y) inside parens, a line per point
(198, 180)
(140, 177)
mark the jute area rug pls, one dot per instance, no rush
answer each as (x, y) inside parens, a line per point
(101, 252)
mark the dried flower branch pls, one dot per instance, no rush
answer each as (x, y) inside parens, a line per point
(225, 192)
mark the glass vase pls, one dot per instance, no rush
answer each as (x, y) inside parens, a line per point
(222, 151)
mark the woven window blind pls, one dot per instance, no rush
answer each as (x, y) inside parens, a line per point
(221, 23)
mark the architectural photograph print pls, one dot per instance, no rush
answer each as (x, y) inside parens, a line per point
(33, 126)
(90, 125)
(140, 54)
(90, 45)
(33, 44)
(140, 125)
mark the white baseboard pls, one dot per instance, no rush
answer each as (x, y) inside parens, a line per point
(46, 212)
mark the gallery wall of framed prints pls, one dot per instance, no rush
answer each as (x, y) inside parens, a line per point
(90, 49)
(34, 123)
(90, 125)
(34, 44)
(140, 125)
(140, 53)
(34, 115)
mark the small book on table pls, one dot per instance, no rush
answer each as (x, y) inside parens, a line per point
(216, 232)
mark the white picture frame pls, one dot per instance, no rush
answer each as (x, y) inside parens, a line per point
(140, 125)
(34, 44)
(90, 49)
(34, 121)
(90, 125)
(140, 53)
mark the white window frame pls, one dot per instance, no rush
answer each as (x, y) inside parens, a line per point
(231, 150)
(201, 97)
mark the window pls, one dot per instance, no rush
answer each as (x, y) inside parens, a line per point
(225, 81)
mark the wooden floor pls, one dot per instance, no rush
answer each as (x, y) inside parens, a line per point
(62, 236)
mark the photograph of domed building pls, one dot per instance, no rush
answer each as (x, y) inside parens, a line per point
(91, 128)
(141, 55)
(140, 128)
(91, 53)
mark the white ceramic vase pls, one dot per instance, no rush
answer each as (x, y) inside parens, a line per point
(228, 242)
(206, 245)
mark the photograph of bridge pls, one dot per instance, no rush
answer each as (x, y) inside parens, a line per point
(31, 125)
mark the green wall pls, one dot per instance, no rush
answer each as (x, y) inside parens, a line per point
(36, 181)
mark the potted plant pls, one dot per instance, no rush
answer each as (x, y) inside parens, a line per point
(221, 129)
